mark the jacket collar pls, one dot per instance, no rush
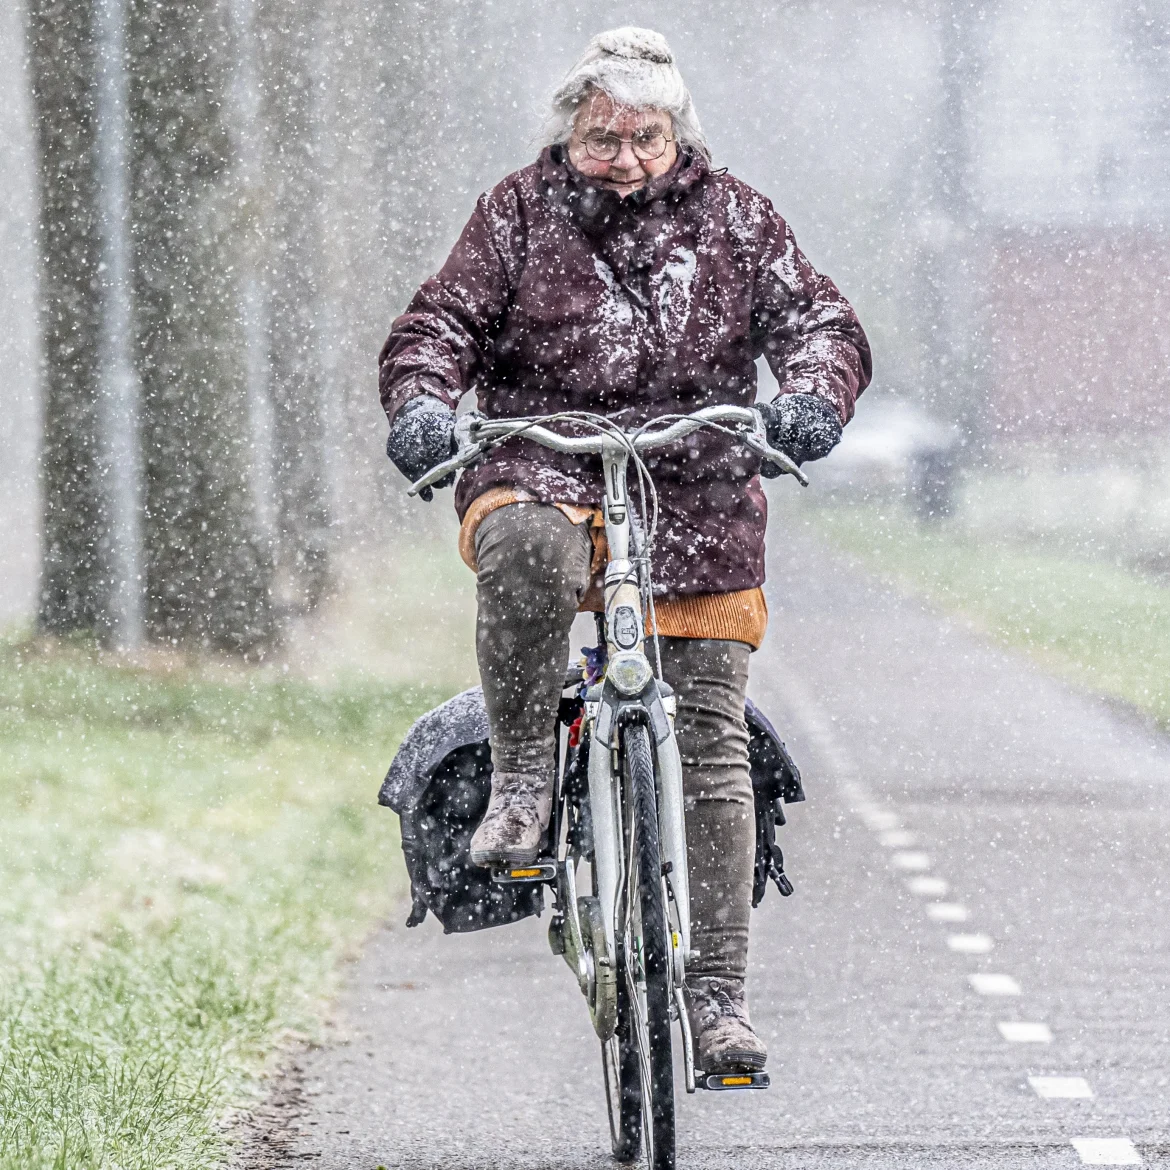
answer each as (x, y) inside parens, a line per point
(597, 209)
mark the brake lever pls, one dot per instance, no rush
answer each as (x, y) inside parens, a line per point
(468, 450)
(757, 441)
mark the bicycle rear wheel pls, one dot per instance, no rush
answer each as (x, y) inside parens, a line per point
(648, 953)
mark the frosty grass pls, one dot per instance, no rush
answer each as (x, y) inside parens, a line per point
(184, 863)
(1099, 624)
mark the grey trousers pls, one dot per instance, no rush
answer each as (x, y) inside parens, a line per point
(533, 572)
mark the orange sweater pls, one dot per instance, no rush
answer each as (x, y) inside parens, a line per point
(737, 617)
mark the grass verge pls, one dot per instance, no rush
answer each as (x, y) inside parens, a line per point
(1104, 627)
(185, 861)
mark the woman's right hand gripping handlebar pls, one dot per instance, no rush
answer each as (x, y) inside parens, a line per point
(421, 437)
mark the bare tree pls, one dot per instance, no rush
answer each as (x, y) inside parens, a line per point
(75, 571)
(148, 514)
(208, 576)
(237, 197)
(289, 35)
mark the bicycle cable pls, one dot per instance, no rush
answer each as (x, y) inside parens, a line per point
(644, 532)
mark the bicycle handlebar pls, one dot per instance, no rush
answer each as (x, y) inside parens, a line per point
(475, 434)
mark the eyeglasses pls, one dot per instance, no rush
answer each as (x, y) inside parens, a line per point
(647, 145)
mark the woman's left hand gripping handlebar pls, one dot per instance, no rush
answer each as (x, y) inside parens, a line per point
(776, 461)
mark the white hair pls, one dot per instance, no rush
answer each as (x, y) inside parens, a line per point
(636, 68)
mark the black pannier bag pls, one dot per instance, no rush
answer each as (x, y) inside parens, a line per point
(439, 784)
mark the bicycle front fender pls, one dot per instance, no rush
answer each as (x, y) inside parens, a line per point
(604, 787)
(605, 806)
(672, 835)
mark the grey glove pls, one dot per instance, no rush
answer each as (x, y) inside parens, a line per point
(422, 436)
(803, 426)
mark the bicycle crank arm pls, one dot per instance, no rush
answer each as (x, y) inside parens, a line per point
(684, 1025)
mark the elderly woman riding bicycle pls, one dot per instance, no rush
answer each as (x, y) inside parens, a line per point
(621, 274)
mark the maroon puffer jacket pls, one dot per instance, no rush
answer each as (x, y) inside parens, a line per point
(560, 295)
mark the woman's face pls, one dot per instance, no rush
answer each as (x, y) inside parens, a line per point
(599, 122)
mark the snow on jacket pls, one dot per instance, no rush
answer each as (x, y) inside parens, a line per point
(560, 295)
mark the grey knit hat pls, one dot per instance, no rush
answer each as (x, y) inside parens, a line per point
(635, 67)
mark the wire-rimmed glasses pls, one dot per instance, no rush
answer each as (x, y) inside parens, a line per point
(647, 145)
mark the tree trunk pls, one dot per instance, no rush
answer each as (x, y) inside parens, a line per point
(292, 227)
(75, 570)
(954, 267)
(249, 149)
(221, 263)
(207, 572)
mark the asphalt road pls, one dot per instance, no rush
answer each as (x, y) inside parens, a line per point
(928, 753)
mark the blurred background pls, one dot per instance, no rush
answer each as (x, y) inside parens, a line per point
(219, 611)
(213, 209)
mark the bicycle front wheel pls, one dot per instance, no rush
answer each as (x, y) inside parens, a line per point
(648, 952)
(623, 1083)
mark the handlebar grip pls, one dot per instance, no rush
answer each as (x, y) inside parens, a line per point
(467, 451)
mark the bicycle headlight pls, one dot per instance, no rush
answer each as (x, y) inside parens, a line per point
(629, 672)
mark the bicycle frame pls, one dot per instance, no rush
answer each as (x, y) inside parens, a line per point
(625, 635)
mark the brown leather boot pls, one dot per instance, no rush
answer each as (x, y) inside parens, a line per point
(512, 830)
(724, 1040)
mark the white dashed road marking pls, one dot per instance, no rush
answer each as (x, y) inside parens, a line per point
(970, 944)
(1107, 1151)
(986, 984)
(911, 861)
(1092, 1151)
(1019, 1032)
(947, 912)
(1051, 1087)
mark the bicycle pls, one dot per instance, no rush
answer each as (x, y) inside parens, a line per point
(618, 801)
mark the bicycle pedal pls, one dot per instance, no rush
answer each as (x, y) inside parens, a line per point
(538, 871)
(724, 1082)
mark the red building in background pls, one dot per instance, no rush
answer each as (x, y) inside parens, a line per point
(1077, 332)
